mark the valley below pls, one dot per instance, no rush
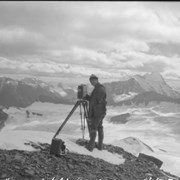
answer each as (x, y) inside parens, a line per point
(152, 129)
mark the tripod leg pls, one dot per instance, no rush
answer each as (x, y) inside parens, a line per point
(86, 115)
(82, 123)
(69, 115)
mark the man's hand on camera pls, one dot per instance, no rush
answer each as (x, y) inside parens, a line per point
(86, 97)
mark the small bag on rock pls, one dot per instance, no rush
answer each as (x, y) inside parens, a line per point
(57, 147)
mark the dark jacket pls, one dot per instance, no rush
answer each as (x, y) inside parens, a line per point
(97, 102)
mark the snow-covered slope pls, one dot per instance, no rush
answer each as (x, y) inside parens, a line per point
(133, 145)
(15, 140)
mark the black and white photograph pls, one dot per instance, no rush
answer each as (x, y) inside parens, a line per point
(89, 90)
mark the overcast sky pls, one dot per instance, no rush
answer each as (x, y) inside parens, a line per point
(76, 39)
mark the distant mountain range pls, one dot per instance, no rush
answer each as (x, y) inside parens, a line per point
(136, 90)
(141, 89)
(22, 93)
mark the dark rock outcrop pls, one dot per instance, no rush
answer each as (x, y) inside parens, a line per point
(3, 118)
(121, 87)
(156, 161)
(120, 119)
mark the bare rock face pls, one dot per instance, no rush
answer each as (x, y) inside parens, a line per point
(3, 118)
(151, 158)
(120, 119)
(39, 164)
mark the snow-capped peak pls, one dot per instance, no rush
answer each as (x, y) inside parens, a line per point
(34, 82)
(155, 82)
(154, 76)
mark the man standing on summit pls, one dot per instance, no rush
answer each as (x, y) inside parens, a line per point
(97, 112)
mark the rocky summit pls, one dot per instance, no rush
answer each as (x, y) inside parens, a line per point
(40, 165)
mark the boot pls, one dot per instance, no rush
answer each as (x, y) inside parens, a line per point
(91, 144)
(100, 139)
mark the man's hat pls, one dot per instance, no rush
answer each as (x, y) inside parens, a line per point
(93, 77)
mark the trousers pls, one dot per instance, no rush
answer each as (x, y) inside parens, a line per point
(96, 125)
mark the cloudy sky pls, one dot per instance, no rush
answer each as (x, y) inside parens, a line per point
(76, 39)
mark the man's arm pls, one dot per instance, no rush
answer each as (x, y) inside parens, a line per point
(87, 97)
(101, 94)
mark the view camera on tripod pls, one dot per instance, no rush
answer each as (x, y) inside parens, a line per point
(56, 144)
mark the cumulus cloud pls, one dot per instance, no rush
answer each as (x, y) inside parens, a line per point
(107, 38)
(18, 41)
(14, 35)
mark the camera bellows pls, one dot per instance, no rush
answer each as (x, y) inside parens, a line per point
(82, 91)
